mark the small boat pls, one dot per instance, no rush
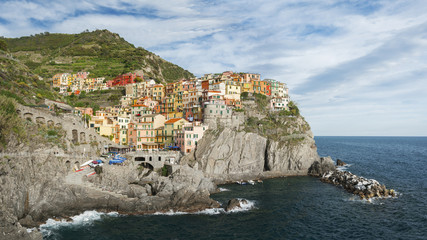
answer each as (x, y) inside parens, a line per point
(251, 182)
(260, 181)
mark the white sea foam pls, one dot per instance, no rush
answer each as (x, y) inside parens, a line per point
(86, 218)
(29, 230)
(223, 189)
(344, 168)
(214, 211)
(373, 200)
(244, 206)
(170, 213)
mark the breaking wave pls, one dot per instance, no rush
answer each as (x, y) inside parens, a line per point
(249, 205)
(344, 168)
(86, 218)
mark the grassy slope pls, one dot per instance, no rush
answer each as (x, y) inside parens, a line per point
(18, 82)
(100, 52)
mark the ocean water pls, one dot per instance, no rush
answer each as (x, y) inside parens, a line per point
(293, 207)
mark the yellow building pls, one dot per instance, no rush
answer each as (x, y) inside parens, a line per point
(172, 115)
(158, 92)
(247, 87)
(177, 96)
(171, 127)
(232, 90)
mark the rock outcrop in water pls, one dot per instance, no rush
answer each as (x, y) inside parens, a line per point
(365, 188)
(234, 204)
(231, 155)
(318, 168)
(341, 163)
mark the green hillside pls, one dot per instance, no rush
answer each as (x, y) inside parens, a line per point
(102, 53)
(17, 81)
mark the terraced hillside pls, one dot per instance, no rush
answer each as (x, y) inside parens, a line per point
(102, 53)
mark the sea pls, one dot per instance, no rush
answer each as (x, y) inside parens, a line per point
(292, 207)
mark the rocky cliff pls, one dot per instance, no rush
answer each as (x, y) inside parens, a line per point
(230, 155)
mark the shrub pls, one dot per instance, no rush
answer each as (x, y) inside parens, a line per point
(3, 45)
(9, 120)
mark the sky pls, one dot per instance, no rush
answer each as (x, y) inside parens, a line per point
(354, 68)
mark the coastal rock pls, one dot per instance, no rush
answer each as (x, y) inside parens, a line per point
(324, 165)
(229, 155)
(364, 188)
(234, 204)
(341, 163)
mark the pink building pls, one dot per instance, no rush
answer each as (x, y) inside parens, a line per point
(132, 137)
(189, 135)
(82, 111)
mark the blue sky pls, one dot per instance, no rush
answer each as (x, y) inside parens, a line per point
(354, 67)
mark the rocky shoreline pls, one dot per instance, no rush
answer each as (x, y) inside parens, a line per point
(363, 187)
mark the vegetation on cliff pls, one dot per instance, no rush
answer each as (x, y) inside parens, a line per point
(96, 99)
(102, 53)
(18, 82)
(10, 123)
(285, 126)
(15, 130)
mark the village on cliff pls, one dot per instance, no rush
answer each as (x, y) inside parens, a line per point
(154, 116)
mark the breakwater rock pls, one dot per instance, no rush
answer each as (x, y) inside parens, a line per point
(365, 188)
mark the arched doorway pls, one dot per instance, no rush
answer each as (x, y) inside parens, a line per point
(147, 165)
(82, 137)
(76, 165)
(75, 137)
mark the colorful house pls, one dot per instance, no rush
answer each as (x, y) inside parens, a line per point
(188, 137)
(125, 79)
(146, 131)
(171, 128)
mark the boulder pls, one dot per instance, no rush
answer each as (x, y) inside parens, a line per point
(235, 203)
(340, 163)
(324, 165)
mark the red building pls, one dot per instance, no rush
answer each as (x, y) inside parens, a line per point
(126, 79)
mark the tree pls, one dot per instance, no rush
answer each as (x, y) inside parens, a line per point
(293, 108)
(87, 118)
(138, 80)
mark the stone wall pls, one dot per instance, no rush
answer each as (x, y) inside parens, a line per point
(155, 159)
(80, 138)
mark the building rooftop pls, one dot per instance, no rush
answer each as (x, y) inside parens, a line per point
(173, 120)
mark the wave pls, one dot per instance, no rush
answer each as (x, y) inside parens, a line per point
(223, 189)
(374, 200)
(344, 168)
(249, 205)
(244, 206)
(86, 218)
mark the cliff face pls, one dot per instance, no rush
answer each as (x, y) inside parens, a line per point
(229, 154)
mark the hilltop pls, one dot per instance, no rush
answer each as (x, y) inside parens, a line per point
(101, 52)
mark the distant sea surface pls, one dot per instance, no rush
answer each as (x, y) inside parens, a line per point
(293, 207)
